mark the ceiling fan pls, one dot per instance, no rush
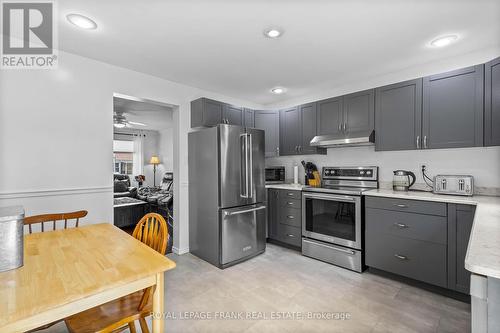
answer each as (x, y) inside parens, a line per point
(120, 121)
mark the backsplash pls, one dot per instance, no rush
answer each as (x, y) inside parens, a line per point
(482, 162)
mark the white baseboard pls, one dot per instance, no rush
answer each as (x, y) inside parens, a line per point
(180, 251)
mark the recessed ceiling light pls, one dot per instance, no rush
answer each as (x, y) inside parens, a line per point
(443, 40)
(81, 21)
(273, 33)
(278, 90)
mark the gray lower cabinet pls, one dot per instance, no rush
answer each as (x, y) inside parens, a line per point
(425, 241)
(398, 116)
(492, 103)
(206, 112)
(285, 216)
(452, 115)
(269, 121)
(272, 213)
(359, 111)
(460, 219)
(249, 118)
(290, 131)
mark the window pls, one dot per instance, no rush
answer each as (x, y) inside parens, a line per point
(123, 157)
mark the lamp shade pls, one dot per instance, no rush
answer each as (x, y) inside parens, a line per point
(154, 160)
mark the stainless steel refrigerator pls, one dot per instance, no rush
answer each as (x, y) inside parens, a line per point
(227, 210)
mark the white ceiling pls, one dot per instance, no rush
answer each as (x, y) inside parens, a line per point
(156, 117)
(219, 46)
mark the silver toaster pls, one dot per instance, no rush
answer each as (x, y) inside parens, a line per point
(454, 184)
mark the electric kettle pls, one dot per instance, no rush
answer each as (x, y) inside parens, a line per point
(401, 180)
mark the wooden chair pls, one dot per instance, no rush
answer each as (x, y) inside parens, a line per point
(41, 219)
(120, 314)
(30, 220)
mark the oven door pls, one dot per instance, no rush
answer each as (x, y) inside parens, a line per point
(332, 218)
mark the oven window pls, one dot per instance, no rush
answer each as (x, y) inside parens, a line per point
(331, 218)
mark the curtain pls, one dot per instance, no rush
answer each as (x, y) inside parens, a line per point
(138, 163)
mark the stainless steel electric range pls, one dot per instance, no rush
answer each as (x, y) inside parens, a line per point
(332, 216)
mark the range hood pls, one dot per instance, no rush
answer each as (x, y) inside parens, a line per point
(361, 138)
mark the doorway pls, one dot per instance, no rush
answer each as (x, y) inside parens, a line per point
(143, 162)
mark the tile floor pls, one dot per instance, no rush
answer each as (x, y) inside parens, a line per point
(283, 282)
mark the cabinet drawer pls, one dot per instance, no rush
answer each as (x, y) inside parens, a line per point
(419, 260)
(290, 194)
(290, 235)
(430, 228)
(291, 216)
(404, 205)
(291, 203)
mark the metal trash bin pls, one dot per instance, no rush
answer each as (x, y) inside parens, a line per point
(11, 237)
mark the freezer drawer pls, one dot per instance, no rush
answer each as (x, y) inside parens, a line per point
(243, 232)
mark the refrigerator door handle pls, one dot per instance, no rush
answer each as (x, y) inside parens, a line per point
(229, 213)
(250, 167)
(248, 162)
(244, 164)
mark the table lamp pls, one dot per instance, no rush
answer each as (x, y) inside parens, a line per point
(155, 160)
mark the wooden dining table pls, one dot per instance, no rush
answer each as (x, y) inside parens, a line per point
(72, 270)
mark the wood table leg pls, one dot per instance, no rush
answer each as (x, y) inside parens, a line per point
(158, 306)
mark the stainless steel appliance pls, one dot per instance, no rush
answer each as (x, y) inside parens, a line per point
(227, 219)
(11, 237)
(275, 175)
(344, 139)
(454, 184)
(332, 219)
(401, 180)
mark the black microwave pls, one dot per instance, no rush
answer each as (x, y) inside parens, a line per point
(275, 175)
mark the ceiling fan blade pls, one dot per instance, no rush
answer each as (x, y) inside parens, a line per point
(136, 123)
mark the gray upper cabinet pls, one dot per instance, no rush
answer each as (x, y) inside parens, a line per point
(232, 115)
(359, 111)
(206, 112)
(290, 131)
(249, 118)
(398, 116)
(492, 103)
(453, 109)
(269, 122)
(308, 123)
(330, 120)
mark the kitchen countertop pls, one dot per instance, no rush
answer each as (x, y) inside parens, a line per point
(483, 251)
(287, 186)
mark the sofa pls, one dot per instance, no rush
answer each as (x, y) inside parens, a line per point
(122, 186)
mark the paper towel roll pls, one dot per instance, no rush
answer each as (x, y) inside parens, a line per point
(296, 174)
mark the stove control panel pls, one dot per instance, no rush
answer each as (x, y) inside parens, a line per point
(354, 173)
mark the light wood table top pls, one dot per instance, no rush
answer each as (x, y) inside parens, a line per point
(68, 271)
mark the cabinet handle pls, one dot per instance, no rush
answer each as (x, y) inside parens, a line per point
(291, 217)
(345, 127)
(290, 235)
(290, 194)
(401, 225)
(340, 127)
(278, 150)
(418, 141)
(401, 205)
(289, 203)
(300, 149)
(425, 141)
(401, 257)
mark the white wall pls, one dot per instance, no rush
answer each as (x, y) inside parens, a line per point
(483, 163)
(166, 151)
(56, 136)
